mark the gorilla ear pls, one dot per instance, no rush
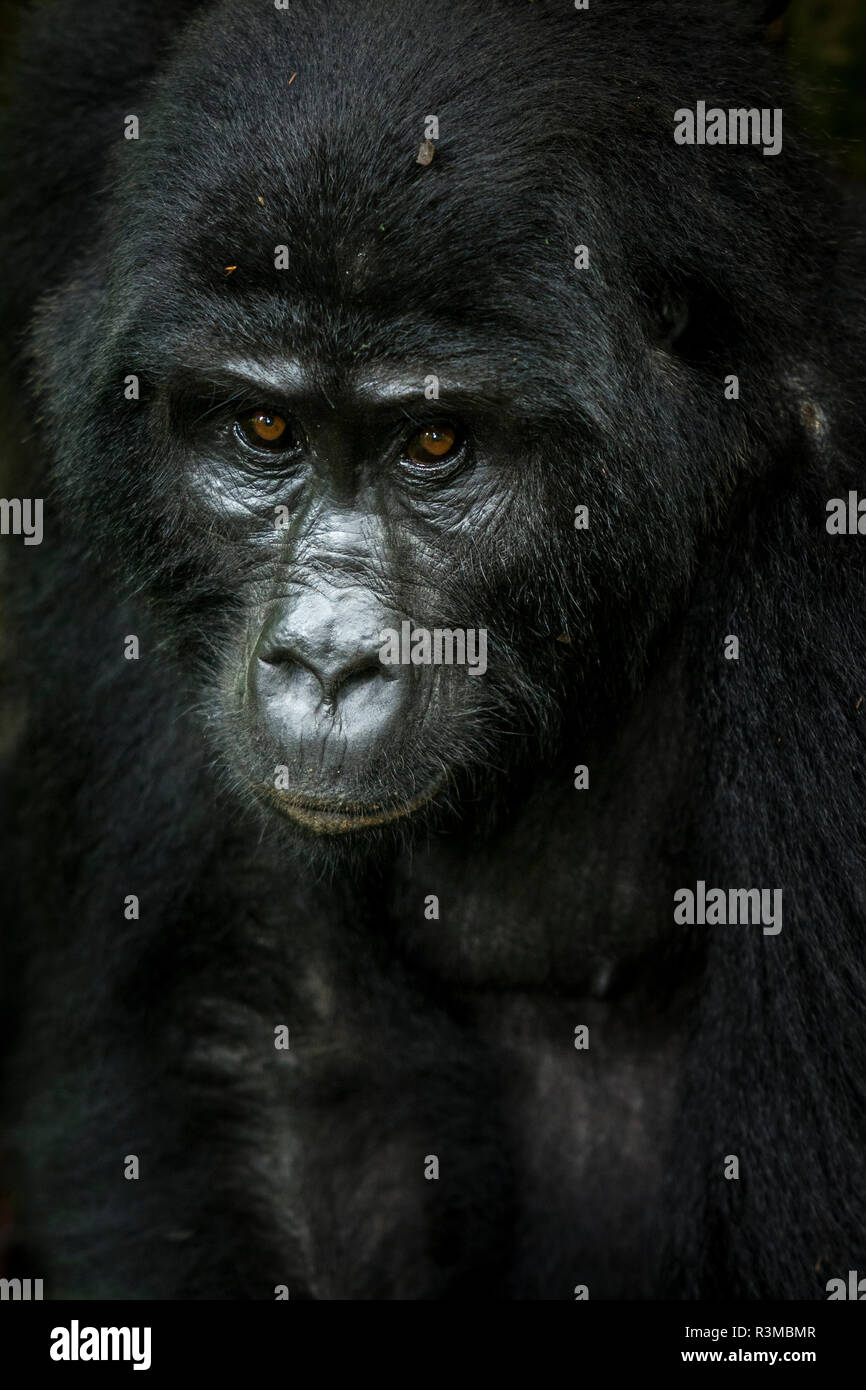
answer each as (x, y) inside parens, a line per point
(669, 317)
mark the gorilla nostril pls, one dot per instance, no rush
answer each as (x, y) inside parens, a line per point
(277, 651)
(360, 673)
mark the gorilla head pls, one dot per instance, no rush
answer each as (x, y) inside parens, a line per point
(315, 397)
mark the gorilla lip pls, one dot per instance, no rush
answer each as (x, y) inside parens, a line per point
(325, 817)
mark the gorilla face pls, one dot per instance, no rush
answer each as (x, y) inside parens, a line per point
(366, 526)
(353, 513)
(370, 399)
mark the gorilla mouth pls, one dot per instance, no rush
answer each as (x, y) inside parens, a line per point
(341, 818)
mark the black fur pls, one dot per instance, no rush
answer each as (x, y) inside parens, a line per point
(452, 1037)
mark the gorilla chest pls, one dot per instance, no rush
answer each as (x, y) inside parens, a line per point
(590, 1090)
(509, 1138)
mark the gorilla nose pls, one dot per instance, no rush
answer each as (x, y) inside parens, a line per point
(336, 672)
(315, 672)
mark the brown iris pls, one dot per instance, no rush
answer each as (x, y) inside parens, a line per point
(433, 445)
(264, 429)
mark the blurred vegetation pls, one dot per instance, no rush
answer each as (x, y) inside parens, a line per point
(827, 47)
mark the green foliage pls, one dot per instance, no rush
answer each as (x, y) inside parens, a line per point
(827, 46)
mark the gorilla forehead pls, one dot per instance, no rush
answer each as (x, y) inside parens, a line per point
(385, 252)
(325, 164)
(469, 258)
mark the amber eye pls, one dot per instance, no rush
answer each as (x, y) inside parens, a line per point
(264, 429)
(433, 445)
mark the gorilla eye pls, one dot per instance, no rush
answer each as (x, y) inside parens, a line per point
(266, 430)
(435, 445)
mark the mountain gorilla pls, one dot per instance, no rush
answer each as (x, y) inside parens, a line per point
(436, 858)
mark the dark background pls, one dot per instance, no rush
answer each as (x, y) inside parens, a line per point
(827, 46)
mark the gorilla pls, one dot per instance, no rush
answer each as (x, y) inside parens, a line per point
(434, 855)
